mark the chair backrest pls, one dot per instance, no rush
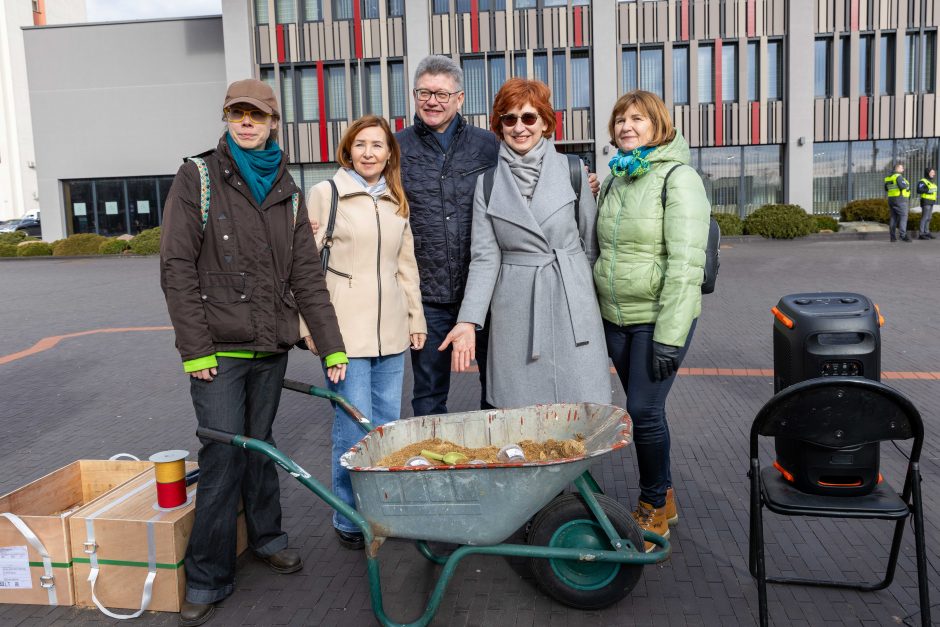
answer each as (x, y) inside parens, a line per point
(838, 412)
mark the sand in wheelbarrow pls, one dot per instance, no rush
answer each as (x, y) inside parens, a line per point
(534, 451)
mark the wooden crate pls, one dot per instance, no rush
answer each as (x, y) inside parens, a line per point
(44, 506)
(132, 539)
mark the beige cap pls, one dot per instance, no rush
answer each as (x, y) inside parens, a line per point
(254, 92)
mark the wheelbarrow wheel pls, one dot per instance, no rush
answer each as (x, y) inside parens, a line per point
(567, 522)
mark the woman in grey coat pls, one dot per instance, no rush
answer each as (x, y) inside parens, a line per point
(532, 254)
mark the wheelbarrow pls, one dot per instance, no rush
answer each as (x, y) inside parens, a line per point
(586, 551)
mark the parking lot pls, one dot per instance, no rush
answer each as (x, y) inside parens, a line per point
(88, 369)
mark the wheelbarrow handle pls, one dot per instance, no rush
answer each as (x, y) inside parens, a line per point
(312, 390)
(223, 437)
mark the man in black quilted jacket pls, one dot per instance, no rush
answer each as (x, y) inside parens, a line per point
(442, 156)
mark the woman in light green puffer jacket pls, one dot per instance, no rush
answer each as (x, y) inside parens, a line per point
(648, 279)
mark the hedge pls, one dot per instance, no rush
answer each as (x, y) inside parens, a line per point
(780, 222)
(913, 221)
(7, 250)
(13, 237)
(147, 242)
(826, 223)
(80, 244)
(865, 210)
(729, 223)
(113, 246)
(34, 249)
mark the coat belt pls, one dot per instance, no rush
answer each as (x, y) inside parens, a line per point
(564, 259)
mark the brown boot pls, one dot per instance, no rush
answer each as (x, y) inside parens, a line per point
(652, 519)
(672, 514)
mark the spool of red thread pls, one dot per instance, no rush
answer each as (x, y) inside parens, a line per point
(170, 470)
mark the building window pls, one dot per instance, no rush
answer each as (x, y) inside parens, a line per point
(525, 4)
(680, 75)
(287, 96)
(886, 56)
(920, 62)
(497, 70)
(580, 80)
(869, 163)
(753, 71)
(865, 65)
(729, 72)
(706, 75)
(720, 169)
(929, 63)
(267, 76)
(373, 94)
(343, 9)
(629, 69)
(775, 70)
(540, 67)
(115, 206)
(285, 11)
(519, 64)
(651, 70)
(355, 88)
(763, 176)
(397, 90)
(261, 17)
(309, 95)
(830, 183)
(474, 85)
(846, 77)
(336, 93)
(823, 65)
(559, 82)
(911, 48)
(439, 7)
(396, 8)
(313, 11)
(370, 9)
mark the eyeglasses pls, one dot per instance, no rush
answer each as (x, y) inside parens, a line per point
(443, 97)
(510, 119)
(255, 115)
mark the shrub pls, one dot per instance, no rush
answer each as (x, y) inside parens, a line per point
(147, 242)
(913, 221)
(780, 222)
(824, 223)
(80, 244)
(113, 246)
(729, 223)
(7, 250)
(34, 249)
(868, 210)
(14, 237)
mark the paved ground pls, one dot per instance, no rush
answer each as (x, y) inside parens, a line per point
(93, 395)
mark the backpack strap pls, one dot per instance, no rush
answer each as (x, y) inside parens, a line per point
(662, 195)
(204, 191)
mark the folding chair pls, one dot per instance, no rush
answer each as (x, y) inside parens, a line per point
(838, 412)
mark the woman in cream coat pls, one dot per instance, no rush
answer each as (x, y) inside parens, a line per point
(373, 281)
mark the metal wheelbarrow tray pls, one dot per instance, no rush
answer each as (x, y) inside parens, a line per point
(585, 549)
(471, 504)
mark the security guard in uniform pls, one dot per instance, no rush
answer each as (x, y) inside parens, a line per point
(899, 192)
(928, 198)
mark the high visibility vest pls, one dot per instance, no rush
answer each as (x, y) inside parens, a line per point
(891, 185)
(931, 194)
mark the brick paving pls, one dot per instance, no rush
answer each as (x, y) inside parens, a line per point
(94, 395)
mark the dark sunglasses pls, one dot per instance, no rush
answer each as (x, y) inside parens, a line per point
(509, 119)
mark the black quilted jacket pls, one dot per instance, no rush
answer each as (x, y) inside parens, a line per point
(440, 191)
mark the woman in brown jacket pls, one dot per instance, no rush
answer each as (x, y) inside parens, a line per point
(372, 277)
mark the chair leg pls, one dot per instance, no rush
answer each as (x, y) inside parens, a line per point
(920, 546)
(756, 548)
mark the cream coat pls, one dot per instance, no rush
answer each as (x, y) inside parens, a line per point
(373, 276)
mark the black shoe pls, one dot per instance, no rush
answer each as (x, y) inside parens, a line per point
(284, 561)
(893, 238)
(922, 236)
(192, 614)
(350, 540)
(906, 239)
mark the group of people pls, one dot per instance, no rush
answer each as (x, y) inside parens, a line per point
(457, 243)
(899, 193)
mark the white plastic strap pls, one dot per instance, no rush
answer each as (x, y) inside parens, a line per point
(47, 581)
(91, 548)
(120, 455)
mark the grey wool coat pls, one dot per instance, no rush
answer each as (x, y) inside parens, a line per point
(531, 268)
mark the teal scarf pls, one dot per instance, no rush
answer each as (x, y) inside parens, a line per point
(633, 163)
(259, 167)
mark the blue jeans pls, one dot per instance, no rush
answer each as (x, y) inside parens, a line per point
(242, 399)
(431, 367)
(373, 386)
(631, 350)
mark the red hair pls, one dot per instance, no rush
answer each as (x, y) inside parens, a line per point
(517, 92)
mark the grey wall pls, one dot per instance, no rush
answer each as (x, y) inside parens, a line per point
(798, 168)
(121, 99)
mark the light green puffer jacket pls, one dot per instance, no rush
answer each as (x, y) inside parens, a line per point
(651, 261)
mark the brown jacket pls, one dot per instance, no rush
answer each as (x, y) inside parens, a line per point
(373, 275)
(238, 284)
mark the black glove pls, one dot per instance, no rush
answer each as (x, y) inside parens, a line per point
(665, 361)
